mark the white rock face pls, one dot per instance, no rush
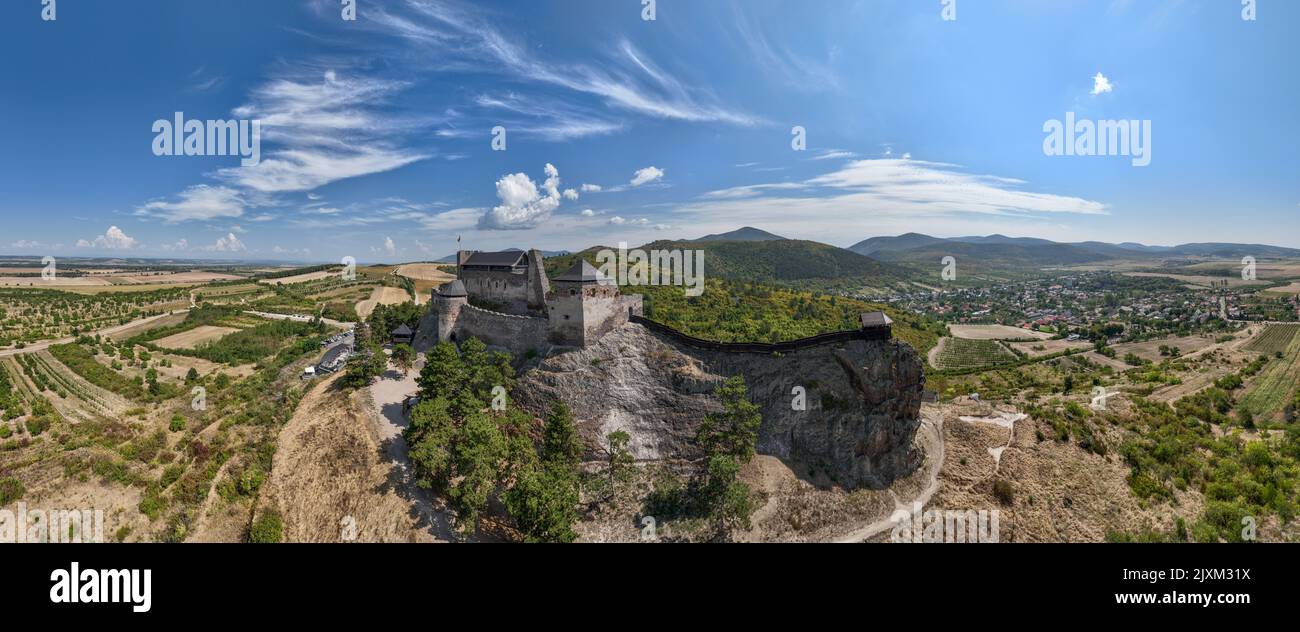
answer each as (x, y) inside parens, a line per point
(862, 409)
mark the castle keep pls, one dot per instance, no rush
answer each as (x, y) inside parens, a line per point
(515, 305)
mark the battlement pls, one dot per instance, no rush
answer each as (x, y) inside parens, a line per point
(575, 309)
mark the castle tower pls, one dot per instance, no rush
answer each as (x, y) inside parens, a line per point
(580, 304)
(447, 303)
(538, 285)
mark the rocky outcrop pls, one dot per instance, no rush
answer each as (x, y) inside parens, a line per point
(861, 411)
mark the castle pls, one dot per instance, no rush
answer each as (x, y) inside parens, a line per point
(518, 308)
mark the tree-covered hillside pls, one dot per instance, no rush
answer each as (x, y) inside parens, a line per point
(786, 261)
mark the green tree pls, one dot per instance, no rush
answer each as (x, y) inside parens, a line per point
(442, 374)
(735, 430)
(544, 503)
(560, 442)
(729, 440)
(403, 357)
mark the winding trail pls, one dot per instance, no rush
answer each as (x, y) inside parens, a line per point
(931, 436)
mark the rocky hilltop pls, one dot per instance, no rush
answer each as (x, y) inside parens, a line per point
(863, 400)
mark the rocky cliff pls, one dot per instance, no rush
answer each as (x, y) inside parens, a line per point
(862, 408)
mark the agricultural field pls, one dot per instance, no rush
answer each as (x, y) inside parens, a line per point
(194, 337)
(1273, 339)
(1156, 350)
(1268, 394)
(40, 314)
(382, 296)
(965, 353)
(1203, 281)
(1048, 347)
(995, 332)
(427, 277)
(302, 278)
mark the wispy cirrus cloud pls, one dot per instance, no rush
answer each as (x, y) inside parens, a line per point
(878, 192)
(325, 128)
(462, 38)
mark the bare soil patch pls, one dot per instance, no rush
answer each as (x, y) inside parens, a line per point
(194, 337)
(1048, 347)
(995, 332)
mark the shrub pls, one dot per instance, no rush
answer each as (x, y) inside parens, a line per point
(267, 529)
(11, 489)
(1003, 491)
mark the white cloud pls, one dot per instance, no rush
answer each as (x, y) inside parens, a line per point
(834, 154)
(646, 176)
(229, 243)
(620, 221)
(878, 196)
(591, 188)
(24, 243)
(570, 194)
(523, 205)
(390, 247)
(455, 219)
(323, 127)
(586, 212)
(197, 203)
(1100, 84)
(181, 244)
(112, 239)
(466, 40)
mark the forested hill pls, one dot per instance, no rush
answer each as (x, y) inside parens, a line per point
(777, 261)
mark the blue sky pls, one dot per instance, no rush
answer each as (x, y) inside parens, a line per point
(377, 138)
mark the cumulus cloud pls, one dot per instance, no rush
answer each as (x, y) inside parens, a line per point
(620, 221)
(586, 212)
(570, 194)
(1100, 85)
(523, 203)
(390, 247)
(197, 203)
(229, 243)
(112, 239)
(591, 188)
(181, 244)
(646, 176)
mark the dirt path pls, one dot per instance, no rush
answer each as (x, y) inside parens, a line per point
(333, 478)
(302, 319)
(933, 356)
(929, 435)
(386, 398)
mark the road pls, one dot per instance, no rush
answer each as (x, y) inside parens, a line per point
(302, 319)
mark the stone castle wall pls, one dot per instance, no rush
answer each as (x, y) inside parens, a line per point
(518, 334)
